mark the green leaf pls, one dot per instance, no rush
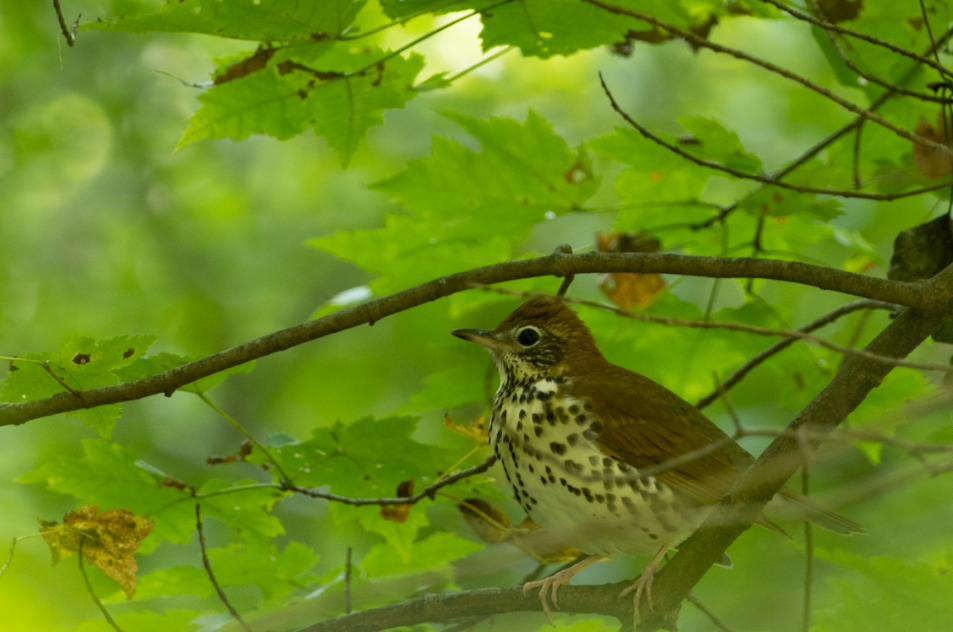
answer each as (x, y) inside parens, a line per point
(776, 202)
(342, 95)
(367, 459)
(523, 171)
(276, 573)
(543, 28)
(359, 459)
(889, 594)
(654, 173)
(433, 554)
(211, 381)
(462, 384)
(485, 202)
(168, 621)
(245, 507)
(81, 363)
(900, 386)
(398, 9)
(147, 366)
(109, 476)
(177, 580)
(714, 143)
(161, 362)
(261, 20)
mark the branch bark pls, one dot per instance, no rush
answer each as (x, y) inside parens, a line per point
(740, 508)
(922, 295)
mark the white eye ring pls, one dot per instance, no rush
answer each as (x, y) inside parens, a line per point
(528, 336)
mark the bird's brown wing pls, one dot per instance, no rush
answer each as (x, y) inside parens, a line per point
(646, 425)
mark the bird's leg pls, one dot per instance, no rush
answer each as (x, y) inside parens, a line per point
(552, 583)
(643, 585)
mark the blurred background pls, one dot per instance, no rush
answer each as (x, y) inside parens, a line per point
(105, 230)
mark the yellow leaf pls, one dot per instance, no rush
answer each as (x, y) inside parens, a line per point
(109, 540)
(475, 431)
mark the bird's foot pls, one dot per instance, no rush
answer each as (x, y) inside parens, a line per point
(550, 586)
(642, 586)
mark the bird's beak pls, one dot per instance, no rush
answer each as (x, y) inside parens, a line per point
(479, 336)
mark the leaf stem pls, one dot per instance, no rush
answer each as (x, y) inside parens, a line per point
(248, 435)
(89, 586)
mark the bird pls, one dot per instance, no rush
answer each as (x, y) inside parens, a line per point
(573, 432)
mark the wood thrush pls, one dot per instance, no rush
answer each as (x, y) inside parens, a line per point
(573, 431)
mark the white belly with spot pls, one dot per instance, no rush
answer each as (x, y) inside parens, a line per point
(584, 498)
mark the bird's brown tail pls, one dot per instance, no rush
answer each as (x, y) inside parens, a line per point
(820, 515)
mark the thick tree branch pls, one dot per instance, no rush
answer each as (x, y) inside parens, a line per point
(923, 295)
(741, 507)
(602, 600)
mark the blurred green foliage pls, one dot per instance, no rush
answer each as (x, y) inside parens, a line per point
(126, 229)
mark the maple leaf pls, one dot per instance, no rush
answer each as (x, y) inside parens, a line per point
(109, 541)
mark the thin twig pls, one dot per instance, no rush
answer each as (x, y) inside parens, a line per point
(787, 74)
(6, 565)
(808, 553)
(863, 36)
(823, 143)
(756, 247)
(772, 181)
(68, 33)
(424, 37)
(779, 346)
(46, 367)
(428, 492)
(211, 575)
(751, 329)
(946, 111)
(564, 249)
(922, 96)
(347, 583)
(89, 588)
(479, 64)
(720, 389)
(855, 163)
(692, 599)
(234, 423)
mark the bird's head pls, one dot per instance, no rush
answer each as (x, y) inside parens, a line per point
(542, 338)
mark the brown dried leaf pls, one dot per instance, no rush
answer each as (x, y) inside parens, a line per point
(399, 513)
(110, 541)
(492, 526)
(932, 163)
(489, 523)
(840, 10)
(540, 545)
(475, 431)
(627, 289)
(244, 450)
(245, 67)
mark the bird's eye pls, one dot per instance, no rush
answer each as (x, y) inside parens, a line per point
(528, 337)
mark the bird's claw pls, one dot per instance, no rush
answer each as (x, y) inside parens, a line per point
(642, 586)
(548, 589)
